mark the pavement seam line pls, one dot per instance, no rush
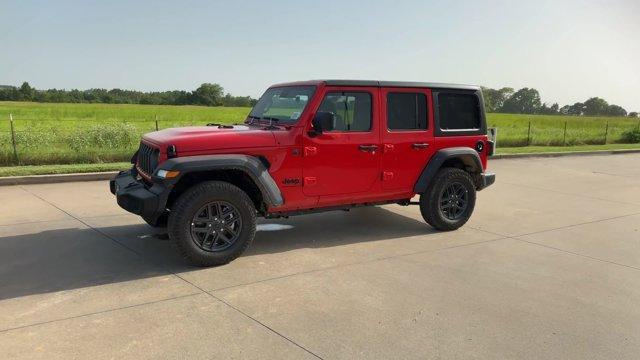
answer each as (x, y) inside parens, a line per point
(37, 222)
(518, 238)
(577, 254)
(98, 312)
(356, 263)
(575, 225)
(265, 325)
(202, 291)
(101, 233)
(570, 194)
(247, 316)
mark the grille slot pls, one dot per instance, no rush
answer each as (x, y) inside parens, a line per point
(147, 159)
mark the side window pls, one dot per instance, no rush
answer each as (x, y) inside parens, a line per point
(352, 110)
(458, 111)
(406, 111)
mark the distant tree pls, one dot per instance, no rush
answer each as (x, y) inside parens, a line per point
(575, 109)
(633, 114)
(208, 94)
(494, 99)
(523, 101)
(8, 93)
(595, 106)
(549, 110)
(27, 93)
(615, 110)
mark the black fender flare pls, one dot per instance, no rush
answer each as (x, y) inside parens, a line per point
(467, 155)
(250, 165)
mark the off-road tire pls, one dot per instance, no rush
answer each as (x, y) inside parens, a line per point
(185, 208)
(430, 200)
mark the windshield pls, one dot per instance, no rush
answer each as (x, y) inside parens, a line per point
(284, 104)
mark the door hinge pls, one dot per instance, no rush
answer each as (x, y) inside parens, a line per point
(310, 181)
(310, 150)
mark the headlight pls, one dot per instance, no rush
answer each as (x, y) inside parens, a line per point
(167, 174)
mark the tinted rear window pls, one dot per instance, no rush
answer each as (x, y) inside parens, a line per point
(458, 111)
(406, 111)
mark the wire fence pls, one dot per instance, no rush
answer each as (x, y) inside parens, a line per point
(37, 141)
(569, 133)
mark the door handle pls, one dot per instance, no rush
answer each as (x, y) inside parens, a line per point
(419, 146)
(370, 148)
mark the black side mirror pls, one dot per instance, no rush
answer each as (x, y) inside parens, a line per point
(323, 121)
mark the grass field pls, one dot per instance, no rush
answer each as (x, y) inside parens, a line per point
(104, 133)
(85, 168)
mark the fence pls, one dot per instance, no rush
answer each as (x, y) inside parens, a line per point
(567, 133)
(36, 141)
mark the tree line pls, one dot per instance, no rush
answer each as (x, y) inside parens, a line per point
(206, 94)
(504, 100)
(527, 101)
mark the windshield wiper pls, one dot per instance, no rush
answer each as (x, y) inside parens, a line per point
(252, 118)
(272, 121)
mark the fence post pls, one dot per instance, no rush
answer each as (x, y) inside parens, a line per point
(606, 133)
(564, 137)
(156, 122)
(529, 134)
(13, 140)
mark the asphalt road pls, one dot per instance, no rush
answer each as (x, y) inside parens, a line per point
(548, 267)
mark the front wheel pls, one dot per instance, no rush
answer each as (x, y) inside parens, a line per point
(212, 223)
(448, 202)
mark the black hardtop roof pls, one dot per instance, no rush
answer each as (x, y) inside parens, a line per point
(378, 83)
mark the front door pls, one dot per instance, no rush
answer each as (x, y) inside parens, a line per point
(407, 136)
(345, 160)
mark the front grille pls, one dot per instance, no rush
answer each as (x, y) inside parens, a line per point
(147, 159)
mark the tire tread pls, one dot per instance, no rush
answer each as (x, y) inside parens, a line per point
(429, 199)
(181, 208)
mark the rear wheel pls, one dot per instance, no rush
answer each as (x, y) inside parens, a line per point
(212, 223)
(448, 202)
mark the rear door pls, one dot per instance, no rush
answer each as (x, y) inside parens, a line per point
(407, 136)
(345, 160)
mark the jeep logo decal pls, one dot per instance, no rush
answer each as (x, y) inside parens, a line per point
(291, 181)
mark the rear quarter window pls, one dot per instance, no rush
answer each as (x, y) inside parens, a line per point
(459, 113)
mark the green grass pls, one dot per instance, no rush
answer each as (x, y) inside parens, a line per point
(93, 133)
(548, 130)
(547, 149)
(61, 169)
(107, 133)
(85, 168)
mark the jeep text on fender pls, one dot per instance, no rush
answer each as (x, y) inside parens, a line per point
(307, 147)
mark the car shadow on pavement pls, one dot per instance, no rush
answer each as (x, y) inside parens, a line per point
(71, 258)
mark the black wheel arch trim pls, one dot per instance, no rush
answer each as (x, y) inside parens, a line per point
(251, 165)
(467, 155)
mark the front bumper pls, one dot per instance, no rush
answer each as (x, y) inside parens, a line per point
(136, 197)
(486, 180)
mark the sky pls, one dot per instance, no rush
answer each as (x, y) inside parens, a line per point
(568, 50)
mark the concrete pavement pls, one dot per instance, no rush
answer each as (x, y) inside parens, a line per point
(548, 267)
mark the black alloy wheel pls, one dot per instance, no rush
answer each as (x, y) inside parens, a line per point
(453, 200)
(449, 199)
(216, 226)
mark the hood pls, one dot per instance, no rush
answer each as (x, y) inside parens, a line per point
(202, 138)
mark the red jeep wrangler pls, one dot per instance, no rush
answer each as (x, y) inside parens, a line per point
(307, 147)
